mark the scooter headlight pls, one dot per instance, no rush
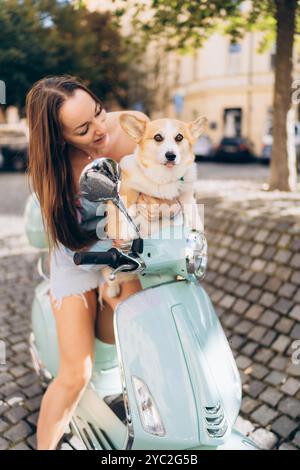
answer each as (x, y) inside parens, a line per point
(196, 254)
(149, 414)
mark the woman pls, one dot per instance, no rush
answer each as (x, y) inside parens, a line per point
(68, 128)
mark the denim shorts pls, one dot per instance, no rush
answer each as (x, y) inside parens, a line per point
(66, 278)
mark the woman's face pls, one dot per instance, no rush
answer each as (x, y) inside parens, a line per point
(84, 123)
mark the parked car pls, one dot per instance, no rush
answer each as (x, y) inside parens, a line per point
(267, 142)
(203, 148)
(234, 149)
(13, 147)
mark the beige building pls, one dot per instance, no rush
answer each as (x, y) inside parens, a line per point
(232, 85)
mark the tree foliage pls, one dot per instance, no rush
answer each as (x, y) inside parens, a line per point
(50, 37)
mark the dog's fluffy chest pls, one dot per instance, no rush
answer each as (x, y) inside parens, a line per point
(134, 178)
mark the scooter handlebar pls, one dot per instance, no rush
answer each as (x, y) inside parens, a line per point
(109, 257)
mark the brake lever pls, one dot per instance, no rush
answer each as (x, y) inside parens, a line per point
(119, 269)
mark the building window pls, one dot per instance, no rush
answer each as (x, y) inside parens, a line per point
(234, 60)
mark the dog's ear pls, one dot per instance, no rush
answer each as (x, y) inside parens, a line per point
(133, 126)
(197, 127)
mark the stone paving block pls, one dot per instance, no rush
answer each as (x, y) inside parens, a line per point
(291, 386)
(275, 378)
(296, 439)
(249, 405)
(20, 446)
(281, 343)
(295, 313)
(273, 284)
(290, 406)
(271, 396)
(283, 256)
(254, 388)
(18, 432)
(243, 362)
(243, 327)
(14, 415)
(227, 301)
(293, 369)
(286, 446)
(295, 244)
(279, 363)
(33, 404)
(284, 240)
(263, 355)
(264, 439)
(284, 426)
(283, 306)
(3, 425)
(258, 265)
(295, 261)
(236, 342)
(5, 377)
(18, 371)
(268, 318)
(284, 325)
(240, 306)
(3, 444)
(31, 440)
(28, 379)
(264, 415)
(269, 253)
(295, 333)
(33, 418)
(268, 338)
(242, 289)
(267, 299)
(283, 272)
(249, 348)
(287, 290)
(258, 279)
(244, 426)
(254, 312)
(270, 269)
(257, 371)
(296, 278)
(257, 333)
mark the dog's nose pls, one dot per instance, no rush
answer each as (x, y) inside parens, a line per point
(170, 156)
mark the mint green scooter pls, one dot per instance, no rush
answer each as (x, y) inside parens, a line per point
(170, 381)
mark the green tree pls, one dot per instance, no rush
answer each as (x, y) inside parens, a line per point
(50, 37)
(186, 24)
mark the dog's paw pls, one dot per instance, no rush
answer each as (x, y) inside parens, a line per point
(113, 289)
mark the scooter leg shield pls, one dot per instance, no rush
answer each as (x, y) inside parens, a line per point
(176, 359)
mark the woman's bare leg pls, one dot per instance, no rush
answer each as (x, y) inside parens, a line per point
(105, 327)
(75, 323)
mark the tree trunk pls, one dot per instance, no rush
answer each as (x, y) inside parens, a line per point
(283, 165)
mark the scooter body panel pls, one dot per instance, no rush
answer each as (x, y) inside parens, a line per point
(170, 338)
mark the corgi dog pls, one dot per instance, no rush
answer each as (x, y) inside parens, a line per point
(161, 170)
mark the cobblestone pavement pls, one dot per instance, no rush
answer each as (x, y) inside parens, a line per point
(253, 280)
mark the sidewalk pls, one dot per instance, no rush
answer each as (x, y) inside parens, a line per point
(253, 279)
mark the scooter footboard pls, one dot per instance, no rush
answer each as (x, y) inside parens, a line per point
(178, 370)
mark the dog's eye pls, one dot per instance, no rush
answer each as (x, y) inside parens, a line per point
(158, 138)
(179, 137)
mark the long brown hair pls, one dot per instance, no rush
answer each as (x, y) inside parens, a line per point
(49, 168)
